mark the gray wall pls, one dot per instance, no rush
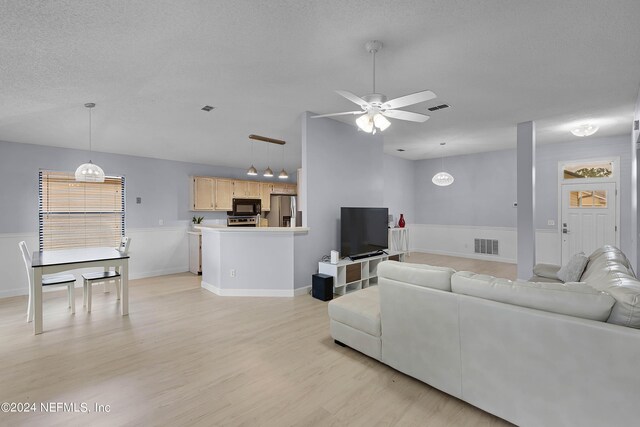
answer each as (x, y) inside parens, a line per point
(162, 184)
(399, 187)
(485, 188)
(482, 194)
(342, 168)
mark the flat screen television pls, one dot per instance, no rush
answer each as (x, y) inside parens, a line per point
(363, 231)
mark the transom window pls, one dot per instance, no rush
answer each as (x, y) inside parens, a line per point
(79, 214)
(602, 169)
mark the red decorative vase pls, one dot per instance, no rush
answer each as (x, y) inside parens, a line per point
(401, 221)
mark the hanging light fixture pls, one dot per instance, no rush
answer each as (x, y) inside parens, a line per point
(268, 172)
(252, 170)
(283, 173)
(442, 179)
(89, 172)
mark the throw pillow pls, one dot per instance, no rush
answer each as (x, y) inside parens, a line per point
(572, 271)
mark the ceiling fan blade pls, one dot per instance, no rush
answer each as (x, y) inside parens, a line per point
(353, 98)
(405, 115)
(411, 99)
(338, 114)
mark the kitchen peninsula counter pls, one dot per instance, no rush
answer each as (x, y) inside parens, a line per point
(249, 261)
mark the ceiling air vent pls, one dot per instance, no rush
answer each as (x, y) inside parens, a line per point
(400, 149)
(207, 108)
(438, 107)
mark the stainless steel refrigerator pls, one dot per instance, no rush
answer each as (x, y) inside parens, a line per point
(283, 212)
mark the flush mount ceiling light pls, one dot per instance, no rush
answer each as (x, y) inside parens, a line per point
(442, 179)
(375, 108)
(89, 172)
(586, 129)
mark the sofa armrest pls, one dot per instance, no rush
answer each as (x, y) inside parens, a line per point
(550, 271)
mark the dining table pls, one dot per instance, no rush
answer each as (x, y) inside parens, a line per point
(57, 261)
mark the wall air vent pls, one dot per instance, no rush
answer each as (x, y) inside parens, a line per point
(438, 107)
(207, 108)
(486, 246)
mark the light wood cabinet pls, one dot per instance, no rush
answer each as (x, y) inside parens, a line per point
(240, 189)
(224, 195)
(202, 194)
(253, 190)
(284, 188)
(266, 188)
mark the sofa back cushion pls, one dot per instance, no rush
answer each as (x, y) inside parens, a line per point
(609, 270)
(573, 299)
(417, 274)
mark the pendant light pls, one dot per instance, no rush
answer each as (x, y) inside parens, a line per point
(89, 172)
(283, 173)
(442, 179)
(268, 173)
(252, 170)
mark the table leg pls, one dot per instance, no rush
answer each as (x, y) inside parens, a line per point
(37, 301)
(124, 288)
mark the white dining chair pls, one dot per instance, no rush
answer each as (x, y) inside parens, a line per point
(67, 280)
(103, 277)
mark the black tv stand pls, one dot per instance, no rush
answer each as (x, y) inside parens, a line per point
(370, 254)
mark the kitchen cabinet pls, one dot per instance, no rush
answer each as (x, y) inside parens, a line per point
(202, 194)
(266, 188)
(246, 189)
(224, 195)
(284, 189)
(253, 190)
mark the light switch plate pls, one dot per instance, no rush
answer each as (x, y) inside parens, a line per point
(551, 222)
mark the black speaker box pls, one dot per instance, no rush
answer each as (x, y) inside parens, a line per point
(322, 287)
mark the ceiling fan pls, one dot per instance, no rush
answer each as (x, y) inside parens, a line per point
(375, 108)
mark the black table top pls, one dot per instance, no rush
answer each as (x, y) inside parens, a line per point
(75, 256)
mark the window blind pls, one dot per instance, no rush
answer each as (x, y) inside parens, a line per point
(80, 214)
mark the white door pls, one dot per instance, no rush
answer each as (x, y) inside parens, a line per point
(588, 218)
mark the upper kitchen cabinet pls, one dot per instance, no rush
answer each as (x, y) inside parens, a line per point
(224, 194)
(202, 193)
(284, 188)
(246, 189)
(266, 188)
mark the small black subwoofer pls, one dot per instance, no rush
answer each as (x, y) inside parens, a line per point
(322, 287)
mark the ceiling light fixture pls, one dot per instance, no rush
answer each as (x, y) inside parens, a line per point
(442, 179)
(89, 172)
(586, 129)
(252, 171)
(283, 173)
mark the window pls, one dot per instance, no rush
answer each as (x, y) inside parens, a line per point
(587, 170)
(75, 214)
(588, 199)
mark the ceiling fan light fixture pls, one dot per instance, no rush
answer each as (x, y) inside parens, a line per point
(252, 171)
(381, 122)
(268, 172)
(586, 129)
(365, 123)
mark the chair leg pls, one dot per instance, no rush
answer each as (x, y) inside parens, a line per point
(30, 309)
(89, 286)
(72, 297)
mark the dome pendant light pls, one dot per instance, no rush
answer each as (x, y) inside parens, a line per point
(268, 172)
(252, 171)
(89, 172)
(442, 179)
(283, 173)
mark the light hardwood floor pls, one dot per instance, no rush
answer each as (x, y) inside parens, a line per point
(186, 357)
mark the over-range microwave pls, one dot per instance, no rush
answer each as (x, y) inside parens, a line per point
(246, 207)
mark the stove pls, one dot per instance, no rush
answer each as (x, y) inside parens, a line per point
(242, 221)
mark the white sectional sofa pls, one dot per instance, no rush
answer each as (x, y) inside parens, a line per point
(535, 354)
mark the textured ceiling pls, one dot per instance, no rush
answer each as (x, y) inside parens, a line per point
(151, 65)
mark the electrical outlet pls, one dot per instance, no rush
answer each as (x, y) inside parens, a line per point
(161, 222)
(232, 273)
(138, 200)
(551, 222)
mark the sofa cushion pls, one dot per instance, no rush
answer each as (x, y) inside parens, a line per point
(359, 309)
(417, 274)
(573, 299)
(573, 269)
(548, 271)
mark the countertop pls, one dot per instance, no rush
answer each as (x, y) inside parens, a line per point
(224, 228)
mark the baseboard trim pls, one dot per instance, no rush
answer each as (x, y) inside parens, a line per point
(161, 272)
(465, 255)
(253, 292)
